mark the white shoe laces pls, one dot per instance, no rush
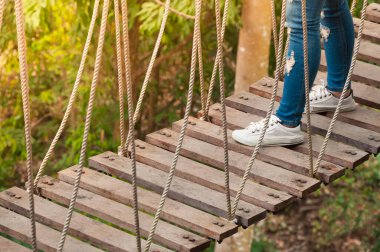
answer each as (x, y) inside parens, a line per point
(257, 126)
(319, 91)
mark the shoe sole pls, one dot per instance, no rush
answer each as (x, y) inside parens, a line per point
(316, 110)
(284, 142)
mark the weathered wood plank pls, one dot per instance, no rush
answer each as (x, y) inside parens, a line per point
(211, 177)
(264, 173)
(11, 246)
(120, 215)
(369, 52)
(363, 72)
(350, 134)
(336, 152)
(173, 211)
(18, 226)
(371, 30)
(373, 12)
(85, 228)
(181, 190)
(280, 156)
(363, 117)
(364, 94)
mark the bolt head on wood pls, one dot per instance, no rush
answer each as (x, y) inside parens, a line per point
(192, 239)
(185, 236)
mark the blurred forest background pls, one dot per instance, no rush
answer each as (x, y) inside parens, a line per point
(343, 217)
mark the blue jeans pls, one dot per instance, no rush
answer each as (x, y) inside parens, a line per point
(331, 20)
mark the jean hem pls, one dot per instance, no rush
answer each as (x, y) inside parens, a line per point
(290, 123)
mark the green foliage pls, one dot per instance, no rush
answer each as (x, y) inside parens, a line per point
(56, 32)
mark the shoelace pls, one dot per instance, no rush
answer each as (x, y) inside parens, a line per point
(257, 126)
(319, 91)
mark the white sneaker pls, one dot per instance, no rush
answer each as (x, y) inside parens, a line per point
(276, 134)
(321, 100)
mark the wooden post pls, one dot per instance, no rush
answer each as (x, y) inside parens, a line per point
(254, 44)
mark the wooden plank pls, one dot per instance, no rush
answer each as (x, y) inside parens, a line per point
(264, 173)
(364, 94)
(363, 117)
(350, 134)
(212, 178)
(363, 72)
(369, 52)
(181, 190)
(18, 227)
(373, 12)
(85, 228)
(120, 215)
(371, 30)
(11, 246)
(280, 156)
(173, 211)
(336, 153)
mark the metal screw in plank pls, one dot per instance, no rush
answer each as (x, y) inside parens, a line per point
(264, 84)
(351, 152)
(246, 210)
(192, 239)
(185, 236)
(217, 109)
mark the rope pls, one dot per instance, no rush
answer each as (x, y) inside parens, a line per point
(216, 64)
(345, 88)
(21, 41)
(274, 26)
(150, 68)
(285, 54)
(198, 5)
(2, 4)
(306, 76)
(130, 119)
(269, 113)
(353, 5)
(200, 69)
(223, 110)
(120, 79)
(72, 96)
(98, 60)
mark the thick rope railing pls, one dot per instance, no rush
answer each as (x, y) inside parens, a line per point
(87, 125)
(24, 79)
(223, 106)
(150, 68)
(128, 79)
(345, 88)
(72, 96)
(269, 112)
(215, 67)
(198, 5)
(307, 85)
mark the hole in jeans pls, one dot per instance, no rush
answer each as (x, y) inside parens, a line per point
(290, 61)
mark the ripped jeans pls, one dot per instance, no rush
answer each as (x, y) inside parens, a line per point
(331, 20)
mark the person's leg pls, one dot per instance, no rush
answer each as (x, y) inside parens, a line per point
(293, 98)
(337, 30)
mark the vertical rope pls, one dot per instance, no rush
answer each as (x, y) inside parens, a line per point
(98, 60)
(274, 26)
(2, 7)
(353, 5)
(72, 96)
(200, 69)
(21, 41)
(269, 113)
(345, 88)
(128, 78)
(216, 64)
(198, 4)
(223, 110)
(306, 80)
(285, 54)
(120, 82)
(150, 67)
